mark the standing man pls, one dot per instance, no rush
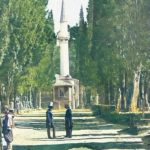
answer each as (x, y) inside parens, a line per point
(49, 122)
(68, 121)
(7, 128)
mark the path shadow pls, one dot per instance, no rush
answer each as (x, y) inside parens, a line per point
(39, 124)
(93, 146)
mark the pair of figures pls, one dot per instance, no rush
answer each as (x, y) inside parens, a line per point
(68, 122)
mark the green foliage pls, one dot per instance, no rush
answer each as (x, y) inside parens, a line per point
(108, 113)
(111, 46)
(4, 25)
(102, 109)
(27, 47)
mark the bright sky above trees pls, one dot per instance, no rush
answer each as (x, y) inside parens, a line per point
(72, 10)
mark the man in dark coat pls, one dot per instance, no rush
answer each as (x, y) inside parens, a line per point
(49, 122)
(68, 121)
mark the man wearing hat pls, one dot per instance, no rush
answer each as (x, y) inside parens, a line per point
(68, 121)
(49, 122)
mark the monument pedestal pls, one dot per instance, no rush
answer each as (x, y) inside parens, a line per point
(66, 91)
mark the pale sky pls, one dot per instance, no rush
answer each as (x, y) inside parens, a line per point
(72, 11)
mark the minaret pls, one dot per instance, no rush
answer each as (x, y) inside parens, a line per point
(65, 88)
(63, 38)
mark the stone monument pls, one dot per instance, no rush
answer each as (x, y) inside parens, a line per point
(65, 88)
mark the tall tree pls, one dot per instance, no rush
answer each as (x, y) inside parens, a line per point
(27, 40)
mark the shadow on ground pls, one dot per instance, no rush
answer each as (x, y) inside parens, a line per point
(37, 122)
(92, 146)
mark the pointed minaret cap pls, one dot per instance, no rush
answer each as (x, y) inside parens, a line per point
(63, 14)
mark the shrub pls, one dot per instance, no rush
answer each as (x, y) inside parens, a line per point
(108, 113)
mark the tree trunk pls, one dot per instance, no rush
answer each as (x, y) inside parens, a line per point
(111, 94)
(123, 92)
(30, 98)
(119, 102)
(40, 100)
(106, 98)
(97, 99)
(88, 95)
(134, 99)
(146, 91)
(1, 144)
(147, 106)
(81, 96)
(34, 93)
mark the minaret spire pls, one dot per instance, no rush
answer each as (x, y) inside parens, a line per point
(63, 13)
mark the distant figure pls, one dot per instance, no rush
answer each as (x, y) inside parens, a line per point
(7, 128)
(11, 113)
(49, 122)
(17, 107)
(68, 121)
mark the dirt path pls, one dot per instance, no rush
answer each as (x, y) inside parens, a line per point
(30, 133)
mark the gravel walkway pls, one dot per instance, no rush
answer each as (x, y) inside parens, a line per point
(94, 134)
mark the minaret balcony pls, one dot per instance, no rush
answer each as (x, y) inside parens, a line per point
(63, 37)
